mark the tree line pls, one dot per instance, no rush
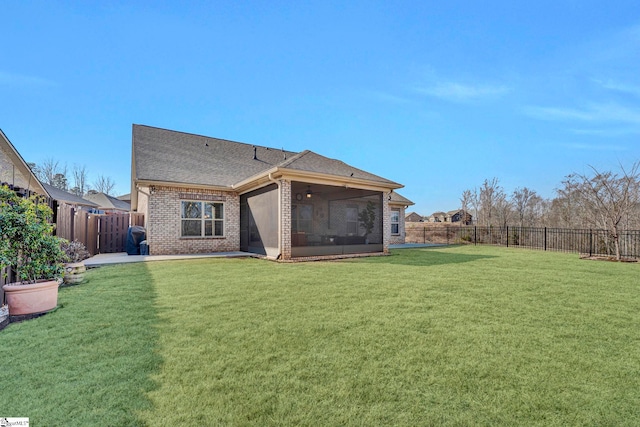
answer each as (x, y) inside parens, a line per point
(607, 200)
(52, 172)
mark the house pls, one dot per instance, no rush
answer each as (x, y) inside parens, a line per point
(413, 217)
(437, 217)
(458, 216)
(201, 194)
(108, 204)
(125, 198)
(61, 197)
(14, 171)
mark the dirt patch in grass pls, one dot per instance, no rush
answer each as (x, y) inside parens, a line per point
(607, 258)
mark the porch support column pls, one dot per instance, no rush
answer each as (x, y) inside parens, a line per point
(285, 219)
(386, 222)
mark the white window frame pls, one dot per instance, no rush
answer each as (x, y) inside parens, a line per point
(395, 212)
(203, 220)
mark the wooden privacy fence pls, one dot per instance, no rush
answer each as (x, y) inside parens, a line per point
(99, 233)
(584, 241)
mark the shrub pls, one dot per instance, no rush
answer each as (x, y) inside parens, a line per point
(27, 243)
(75, 251)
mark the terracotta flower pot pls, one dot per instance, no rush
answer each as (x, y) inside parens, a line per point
(31, 298)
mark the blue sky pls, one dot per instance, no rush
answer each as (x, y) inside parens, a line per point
(435, 95)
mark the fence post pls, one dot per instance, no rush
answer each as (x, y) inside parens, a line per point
(475, 235)
(424, 235)
(590, 242)
(507, 236)
(545, 238)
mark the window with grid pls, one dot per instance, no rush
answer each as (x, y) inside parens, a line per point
(395, 222)
(202, 219)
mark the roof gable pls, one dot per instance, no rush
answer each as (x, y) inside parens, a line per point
(14, 170)
(166, 156)
(308, 161)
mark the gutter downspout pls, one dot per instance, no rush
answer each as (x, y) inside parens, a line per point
(279, 214)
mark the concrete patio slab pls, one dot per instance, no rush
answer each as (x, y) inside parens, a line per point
(124, 258)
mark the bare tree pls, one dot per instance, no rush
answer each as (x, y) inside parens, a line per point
(608, 197)
(525, 203)
(104, 184)
(80, 180)
(465, 201)
(503, 209)
(490, 193)
(52, 172)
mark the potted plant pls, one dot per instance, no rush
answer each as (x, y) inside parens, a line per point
(29, 249)
(74, 268)
(367, 219)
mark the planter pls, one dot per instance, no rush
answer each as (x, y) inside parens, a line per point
(74, 273)
(31, 298)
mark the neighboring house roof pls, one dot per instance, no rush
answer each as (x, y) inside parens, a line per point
(171, 157)
(14, 170)
(125, 197)
(66, 197)
(413, 217)
(106, 202)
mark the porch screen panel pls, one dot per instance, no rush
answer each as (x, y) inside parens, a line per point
(260, 216)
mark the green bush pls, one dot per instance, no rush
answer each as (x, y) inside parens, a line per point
(27, 244)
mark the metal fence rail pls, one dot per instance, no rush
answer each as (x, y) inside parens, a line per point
(584, 241)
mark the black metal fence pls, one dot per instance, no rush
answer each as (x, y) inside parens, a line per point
(584, 241)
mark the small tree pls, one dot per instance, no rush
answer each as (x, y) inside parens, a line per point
(27, 243)
(367, 218)
(608, 197)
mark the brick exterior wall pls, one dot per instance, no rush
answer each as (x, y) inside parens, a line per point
(285, 218)
(399, 238)
(164, 223)
(386, 224)
(9, 174)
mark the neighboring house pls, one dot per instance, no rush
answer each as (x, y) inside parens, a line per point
(458, 216)
(61, 197)
(414, 217)
(202, 194)
(15, 172)
(437, 217)
(108, 204)
(125, 198)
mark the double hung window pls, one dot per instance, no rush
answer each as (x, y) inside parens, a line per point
(395, 222)
(202, 219)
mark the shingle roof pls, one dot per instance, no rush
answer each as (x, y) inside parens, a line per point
(400, 199)
(104, 201)
(169, 156)
(66, 197)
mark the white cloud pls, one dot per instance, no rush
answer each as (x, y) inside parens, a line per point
(620, 87)
(453, 91)
(609, 133)
(387, 97)
(595, 113)
(594, 147)
(23, 80)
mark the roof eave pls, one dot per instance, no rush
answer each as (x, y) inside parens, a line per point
(148, 183)
(267, 176)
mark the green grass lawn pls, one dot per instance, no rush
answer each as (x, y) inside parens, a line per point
(437, 336)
